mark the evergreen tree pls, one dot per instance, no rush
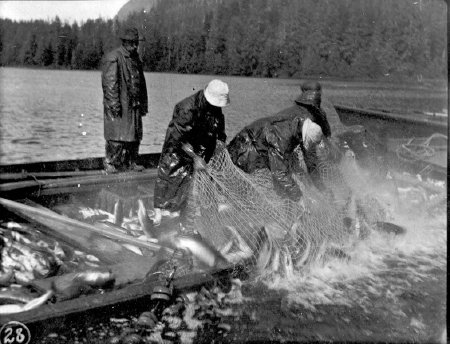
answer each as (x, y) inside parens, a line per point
(345, 38)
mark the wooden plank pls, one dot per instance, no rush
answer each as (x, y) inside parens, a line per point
(53, 174)
(74, 182)
(149, 160)
(436, 123)
(137, 293)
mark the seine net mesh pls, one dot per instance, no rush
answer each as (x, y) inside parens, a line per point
(243, 216)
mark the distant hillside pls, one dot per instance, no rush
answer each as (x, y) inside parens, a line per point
(267, 38)
(135, 6)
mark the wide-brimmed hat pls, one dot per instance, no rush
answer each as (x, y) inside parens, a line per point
(130, 34)
(216, 93)
(311, 94)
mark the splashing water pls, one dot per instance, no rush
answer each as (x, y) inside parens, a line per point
(382, 265)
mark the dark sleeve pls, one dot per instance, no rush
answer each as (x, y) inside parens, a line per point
(320, 117)
(110, 85)
(282, 176)
(313, 166)
(180, 129)
(144, 96)
(222, 136)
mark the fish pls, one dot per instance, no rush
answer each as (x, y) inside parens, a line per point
(73, 284)
(118, 213)
(286, 266)
(13, 225)
(133, 249)
(167, 234)
(306, 252)
(226, 248)
(34, 303)
(34, 259)
(263, 257)
(204, 252)
(243, 247)
(9, 295)
(390, 228)
(146, 223)
(95, 278)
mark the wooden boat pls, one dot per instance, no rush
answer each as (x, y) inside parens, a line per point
(414, 142)
(41, 194)
(37, 192)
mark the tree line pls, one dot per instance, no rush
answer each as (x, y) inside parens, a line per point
(267, 38)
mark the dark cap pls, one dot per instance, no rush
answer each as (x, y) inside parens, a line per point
(311, 86)
(311, 94)
(130, 34)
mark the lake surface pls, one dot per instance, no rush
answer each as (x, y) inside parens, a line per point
(392, 290)
(57, 115)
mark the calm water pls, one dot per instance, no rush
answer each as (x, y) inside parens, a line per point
(392, 290)
(57, 115)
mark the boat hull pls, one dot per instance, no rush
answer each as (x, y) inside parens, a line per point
(53, 182)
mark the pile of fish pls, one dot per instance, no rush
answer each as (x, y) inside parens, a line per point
(27, 254)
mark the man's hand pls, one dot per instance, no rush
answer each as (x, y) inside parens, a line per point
(199, 164)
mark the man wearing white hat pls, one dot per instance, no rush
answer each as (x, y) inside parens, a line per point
(197, 123)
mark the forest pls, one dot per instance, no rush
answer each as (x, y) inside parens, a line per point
(259, 38)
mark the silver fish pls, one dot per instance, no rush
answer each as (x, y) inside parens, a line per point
(95, 278)
(118, 213)
(13, 295)
(168, 235)
(34, 303)
(146, 223)
(306, 252)
(133, 249)
(205, 253)
(264, 255)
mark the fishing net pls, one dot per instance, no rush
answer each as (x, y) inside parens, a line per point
(230, 208)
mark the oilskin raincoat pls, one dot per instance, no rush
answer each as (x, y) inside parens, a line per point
(198, 123)
(124, 96)
(270, 142)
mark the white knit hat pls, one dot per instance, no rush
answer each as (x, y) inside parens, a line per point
(311, 133)
(216, 93)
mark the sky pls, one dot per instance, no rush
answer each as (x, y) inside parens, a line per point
(69, 11)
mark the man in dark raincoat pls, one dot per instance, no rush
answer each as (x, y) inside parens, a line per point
(198, 123)
(124, 102)
(270, 142)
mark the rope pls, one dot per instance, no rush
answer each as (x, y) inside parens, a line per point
(419, 151)
(38, 182)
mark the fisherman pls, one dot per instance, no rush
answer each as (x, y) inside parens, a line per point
(124, 102)
(198, 124)
(270, 142)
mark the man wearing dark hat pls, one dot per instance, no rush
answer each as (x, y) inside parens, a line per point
(270, 142)
(124, 103)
